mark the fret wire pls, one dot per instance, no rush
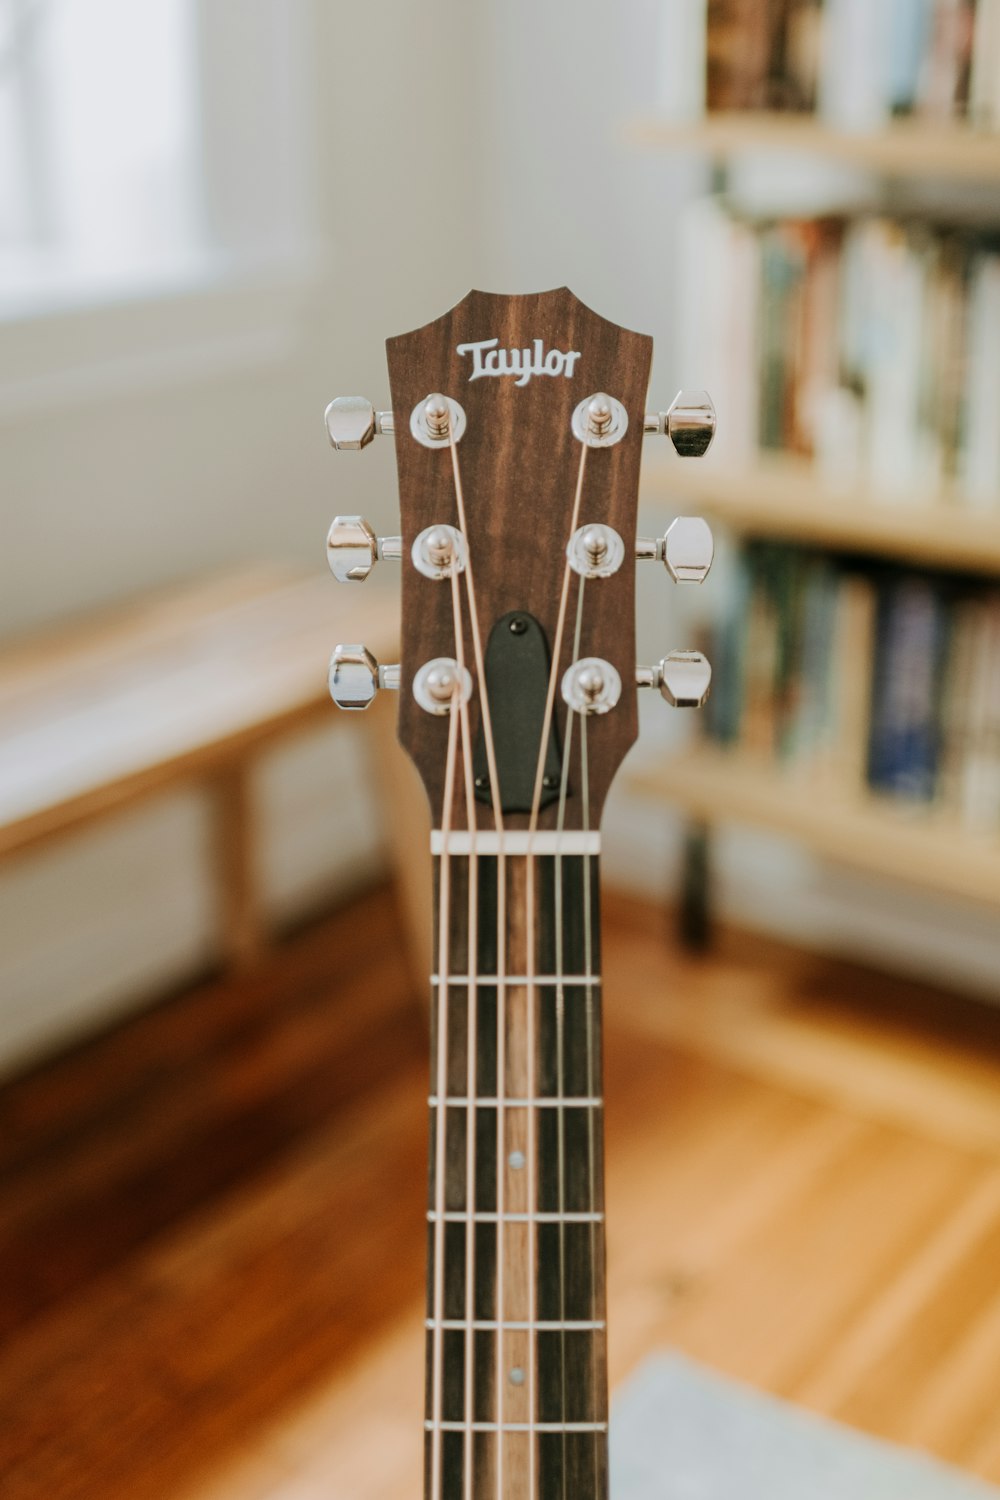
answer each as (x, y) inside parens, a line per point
(485, 1216)
(490, 981)
(430, 1426)
(488, 1325)
(460, 1101)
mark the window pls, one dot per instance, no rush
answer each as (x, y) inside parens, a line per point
(98, 148)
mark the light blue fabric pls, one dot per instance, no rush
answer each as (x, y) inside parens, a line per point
(681, 1432)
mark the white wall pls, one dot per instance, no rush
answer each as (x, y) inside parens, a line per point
(147, 444)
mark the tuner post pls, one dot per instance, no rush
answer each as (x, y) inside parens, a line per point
(595, 551)
(591, 686)
(439, 551)
(599, 421)
(441, 683)
(437, 421)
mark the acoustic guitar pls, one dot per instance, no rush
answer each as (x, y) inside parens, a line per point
(518, 423)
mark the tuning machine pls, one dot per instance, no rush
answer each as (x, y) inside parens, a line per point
(353, 549)
(689, 423)
(683, 678)
(686, 550)
(355, 677)
(352, 422)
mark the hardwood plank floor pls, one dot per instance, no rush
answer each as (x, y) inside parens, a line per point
(211, 1219)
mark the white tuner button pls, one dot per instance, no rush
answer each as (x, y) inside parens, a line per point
(352, 422)
(355, 677)
(689, 423)
(683, 678)
(352, 549)
(686, 550)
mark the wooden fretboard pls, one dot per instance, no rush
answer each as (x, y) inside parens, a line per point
(516, 1365)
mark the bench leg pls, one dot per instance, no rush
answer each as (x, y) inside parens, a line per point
(406, 818)
(695, 911)
(241, 925)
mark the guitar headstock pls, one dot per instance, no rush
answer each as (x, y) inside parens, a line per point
(518, 424)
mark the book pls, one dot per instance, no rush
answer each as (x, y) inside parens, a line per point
(904, 741)
(980, 464)
(736, 62)
(859, 62)
(867, 344)
(852, 676)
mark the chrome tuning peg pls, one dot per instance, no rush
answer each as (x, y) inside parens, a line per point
(355, 676)
(352, 422)
(353, 549)
(686, 550)
(689, 423)
(683, 678)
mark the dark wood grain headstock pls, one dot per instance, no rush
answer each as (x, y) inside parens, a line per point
(519, 463)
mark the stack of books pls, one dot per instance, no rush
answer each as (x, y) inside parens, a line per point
(859, 62)
(868, 345)
(850, 675)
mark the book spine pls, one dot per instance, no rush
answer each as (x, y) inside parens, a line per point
(861, 62)
(851, 677)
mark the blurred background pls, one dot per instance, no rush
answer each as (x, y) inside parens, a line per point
(212, 214)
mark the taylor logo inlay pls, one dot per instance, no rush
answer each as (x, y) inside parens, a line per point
(487, 359)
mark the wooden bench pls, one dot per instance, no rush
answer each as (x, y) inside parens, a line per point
(188, 686)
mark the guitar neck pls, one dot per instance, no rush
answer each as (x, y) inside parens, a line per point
(518, 423)
(516, 1383)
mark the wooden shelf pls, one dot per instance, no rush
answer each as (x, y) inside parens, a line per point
(906, 148)
(784, 497)
(920, 846)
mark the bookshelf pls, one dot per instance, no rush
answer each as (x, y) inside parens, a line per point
(868, 833)
(907, 148)
(788, 498)
(781, 497)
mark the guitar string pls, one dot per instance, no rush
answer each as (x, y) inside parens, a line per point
(444, 914)
(588, 948)
(560, 1008)
(501, 991)
(550, 696)
(530, 956)
(471, 1048)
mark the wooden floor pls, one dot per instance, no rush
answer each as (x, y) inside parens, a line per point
(211, 1219)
